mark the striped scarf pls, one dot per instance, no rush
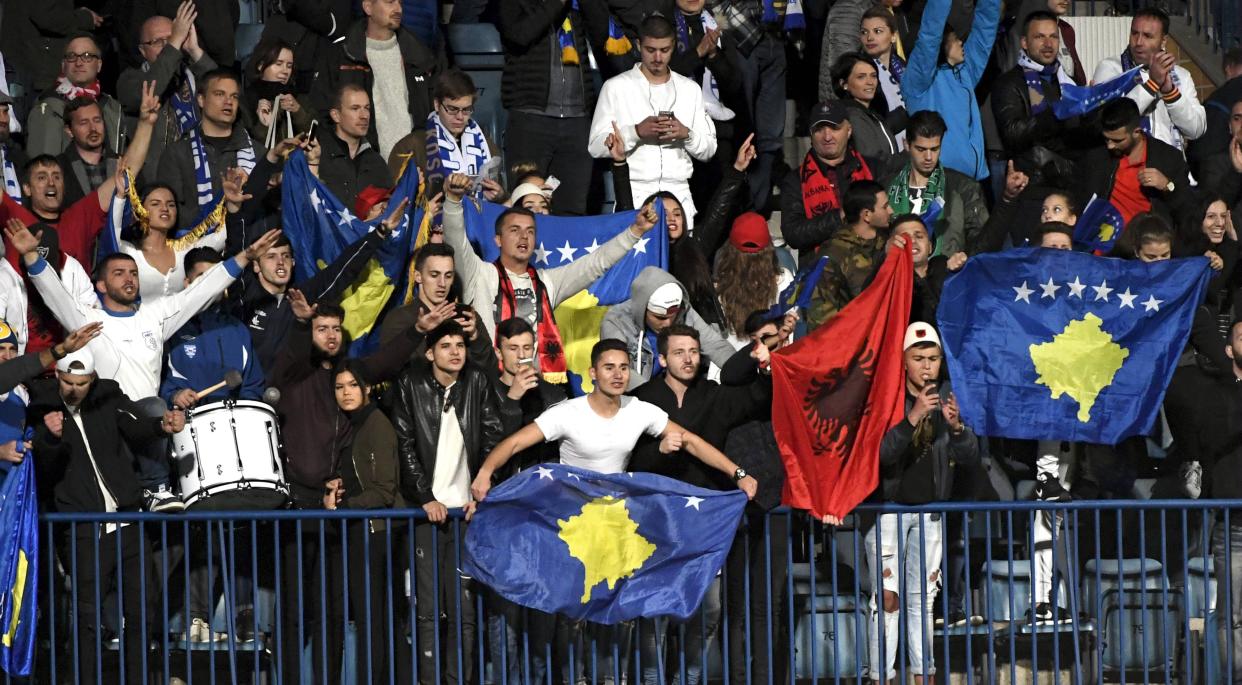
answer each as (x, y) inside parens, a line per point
(1038, 77)
(12, 187)
(617, 43)
(211, 208)
(445, 155)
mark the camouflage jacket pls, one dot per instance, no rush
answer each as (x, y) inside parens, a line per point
(851, 260)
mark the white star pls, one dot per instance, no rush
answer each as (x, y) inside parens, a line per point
(1127, 299)
(544, 472)
(1050, 289)
(641, 245)
(1076, 287)
(567, 252)
(592, 247)
(693, 501)
(1101, 291)
(346, 219)
(1152, 304)
(315, 200)
(541, 255)
(1024, 293)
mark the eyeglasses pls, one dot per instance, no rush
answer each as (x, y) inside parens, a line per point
(74, 57)
(454, 111)
(154, 43)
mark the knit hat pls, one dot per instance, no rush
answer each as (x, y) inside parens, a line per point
(750, 233)
(368, 198)
(665, 299)
(80, 363)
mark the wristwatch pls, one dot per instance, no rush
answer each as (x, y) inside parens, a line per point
(739, 474)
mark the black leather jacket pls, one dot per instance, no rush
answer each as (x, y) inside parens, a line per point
(417, 414)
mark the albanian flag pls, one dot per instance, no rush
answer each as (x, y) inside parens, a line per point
(838, 390)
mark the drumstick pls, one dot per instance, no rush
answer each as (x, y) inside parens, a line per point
(232, 378)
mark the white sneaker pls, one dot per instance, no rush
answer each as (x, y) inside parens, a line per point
(201, 632)
(162, 500)
(1192, 478)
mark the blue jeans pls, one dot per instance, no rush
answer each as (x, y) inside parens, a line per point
(520, 640)
(764, 73)
(1227, 554)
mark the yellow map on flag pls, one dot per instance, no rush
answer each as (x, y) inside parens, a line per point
(1080, 361)
(605, 539)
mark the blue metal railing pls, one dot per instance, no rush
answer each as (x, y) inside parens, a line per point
(373, 596)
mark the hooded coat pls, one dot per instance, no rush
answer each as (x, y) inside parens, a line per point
(627, 322)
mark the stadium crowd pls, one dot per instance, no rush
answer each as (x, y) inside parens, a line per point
(930, 123)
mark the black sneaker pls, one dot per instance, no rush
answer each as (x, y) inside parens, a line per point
(244, 625)
(1048, 489)
(162, 501)
(1044, 614)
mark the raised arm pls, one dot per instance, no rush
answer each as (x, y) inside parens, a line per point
(468, 264)
(67, 310)
(565, 281)
(921, 68)
(136, 154)
(675, 437)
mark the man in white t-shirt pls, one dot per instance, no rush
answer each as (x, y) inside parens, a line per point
(598, 431)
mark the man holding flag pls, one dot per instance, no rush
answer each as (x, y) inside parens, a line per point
(512, 286)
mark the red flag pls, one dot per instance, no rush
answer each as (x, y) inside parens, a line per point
(838, 390)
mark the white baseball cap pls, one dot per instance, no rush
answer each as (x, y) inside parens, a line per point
(919, 332)
(664, 298)
(80, 363)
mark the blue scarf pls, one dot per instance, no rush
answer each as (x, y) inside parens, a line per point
(208, 202)
(1037, 78)
(792, 10)
(12, 187)
(446, 156)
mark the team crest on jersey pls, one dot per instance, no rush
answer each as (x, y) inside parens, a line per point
(152, 343)
(191, 350)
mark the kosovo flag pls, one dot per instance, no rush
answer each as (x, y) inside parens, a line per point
(1060, 345)
(561, 240)
(797, 295)
(319, 226)
(601, 547)
(1099, 225)
(1077, 100)
(19, 572)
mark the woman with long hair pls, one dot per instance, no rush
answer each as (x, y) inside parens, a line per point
(748, 275)
(857, 82)
(269, 94)
(1209, 231)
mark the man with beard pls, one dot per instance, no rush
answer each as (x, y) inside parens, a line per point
(81, 63)
(709, 410)
(1134, 170)
(86, 163)
(314, 430)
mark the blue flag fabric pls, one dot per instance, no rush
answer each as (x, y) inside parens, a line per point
(1078, 100)
(320, 227)
(798, 293)
(601, 547)
(1099, 225)
(563, 239)
(19, 569)
(1061, 345)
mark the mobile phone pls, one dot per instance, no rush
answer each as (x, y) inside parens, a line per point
(667, 114)
(310, 132)
(463, 311)
(526, 361)
(552, 183)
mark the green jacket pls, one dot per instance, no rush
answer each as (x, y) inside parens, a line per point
(960, 226)
(369, 468)
(851, 259)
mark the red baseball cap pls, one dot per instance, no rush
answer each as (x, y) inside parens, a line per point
(368, 198)
(750, 233)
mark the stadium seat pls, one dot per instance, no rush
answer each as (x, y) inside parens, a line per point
(1141, 629)
(831, 640)
(477, 50)
(1200, 586)
(1001, 578)
(1126, 574)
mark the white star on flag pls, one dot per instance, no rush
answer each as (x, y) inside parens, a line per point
(641, 245)
(1152, 304)
(1076, 287)
(544, 472)
(541, 255)
(693, 501)
(1101, 291)
(1023, 293)
(346, 219)
(1127, 299)
(567, 252)
(315, 199)
(1050, 289)
(590, 249)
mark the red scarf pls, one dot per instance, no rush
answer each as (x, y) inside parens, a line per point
(549, 347)
(819, 192)
(69, 91)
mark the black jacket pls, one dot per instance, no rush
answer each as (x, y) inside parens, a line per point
(314, 429)
(518, 413)
(1100, 169)
(269, 317)
(177, 168)
(347, 63)
(805, 234)
(346, 176)
(35, 34)
(707, 409)
(1216, 138)
(417, 414)
(311, 27)
(528, 32)
(911, 475)
(1042, 143)
(109, 417)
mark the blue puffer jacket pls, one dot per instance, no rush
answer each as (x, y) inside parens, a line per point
(950, 91)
